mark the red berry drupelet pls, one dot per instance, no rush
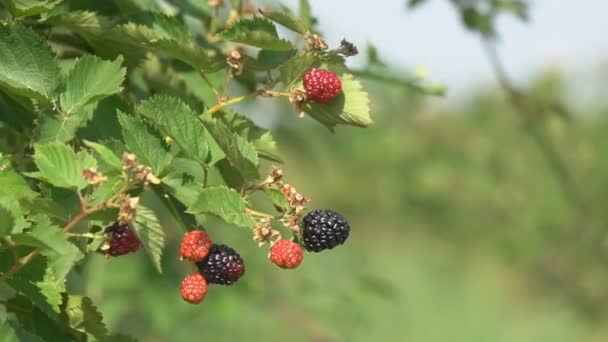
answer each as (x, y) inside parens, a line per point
(223, 265)
(122, 240)
(322, 85)
(195, 245)
(194, 288)
(286, 254)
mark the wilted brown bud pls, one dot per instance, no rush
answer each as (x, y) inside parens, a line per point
(236, 61)
(128, 209)
(348, 49)
(94, 177)
(315, 42)
(129, 161)
(264, 233)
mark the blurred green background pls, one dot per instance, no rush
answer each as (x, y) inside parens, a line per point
(461, 231)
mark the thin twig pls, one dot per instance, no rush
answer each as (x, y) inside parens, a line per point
(217, 94)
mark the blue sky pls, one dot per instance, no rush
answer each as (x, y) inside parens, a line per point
(571, 34)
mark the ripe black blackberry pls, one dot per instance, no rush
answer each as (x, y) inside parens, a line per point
(324, 229)
(121, 240)
(223, 265)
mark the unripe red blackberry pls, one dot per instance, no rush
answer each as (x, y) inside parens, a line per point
(324, 229)
(223, 265)
(121, 240)
(195, 245)
(286, 254)
(194, 288)
(321, 85)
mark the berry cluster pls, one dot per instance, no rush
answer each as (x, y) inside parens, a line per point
(216, 264)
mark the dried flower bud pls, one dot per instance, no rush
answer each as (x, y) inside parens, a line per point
(264, 233)
(348, 49)
(94, 177)
(236, 61)
(129, 161)
(298, 97)
(315, 42)
(128, 209)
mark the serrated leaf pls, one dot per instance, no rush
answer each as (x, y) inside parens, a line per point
(305, 14)
(13, 184)
(287, 19)
(224, 203)
(350, 107)
(27, 64)
(90, 80)
(277, 198)
(12, 332)
(150, 234)
(84, 316)
(61, 254)
(146, 146)
(62, 128)
(174, 118)
(292, 70)
(256, 32)
(22, 8)
(60, 166)
(105, 155)
(18, 222)
(184, 189)
(7, 221)
(268, 59)
(39, 285)
(261, 138)
(105, 191)
(157, 33)
(241, 153)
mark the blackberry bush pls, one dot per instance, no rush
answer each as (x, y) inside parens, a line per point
(110, 107)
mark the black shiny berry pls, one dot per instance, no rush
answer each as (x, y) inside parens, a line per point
(223, 265)
(324, 229)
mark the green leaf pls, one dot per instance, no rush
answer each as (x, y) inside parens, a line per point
(287, 19)
(84, 316)
(17, 222)
(105, 155)
(22, 8)
(62, 128)
(174, 118)
(241, 153)
(268, 59)
(13, 332)
(91, 80)
(260, 137)
(60, 166)
(146, 146)
(277, 198)
(105, 191)
(184, 189)
(61, 254)
(7, 221)
(38, 283)
(27, 64)
(305, 14)
(256, 32)
(477, 21)
(224, 203)
(150, 234)
(351, 107)
(292, 70)
(152, 32)
(12, 184)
